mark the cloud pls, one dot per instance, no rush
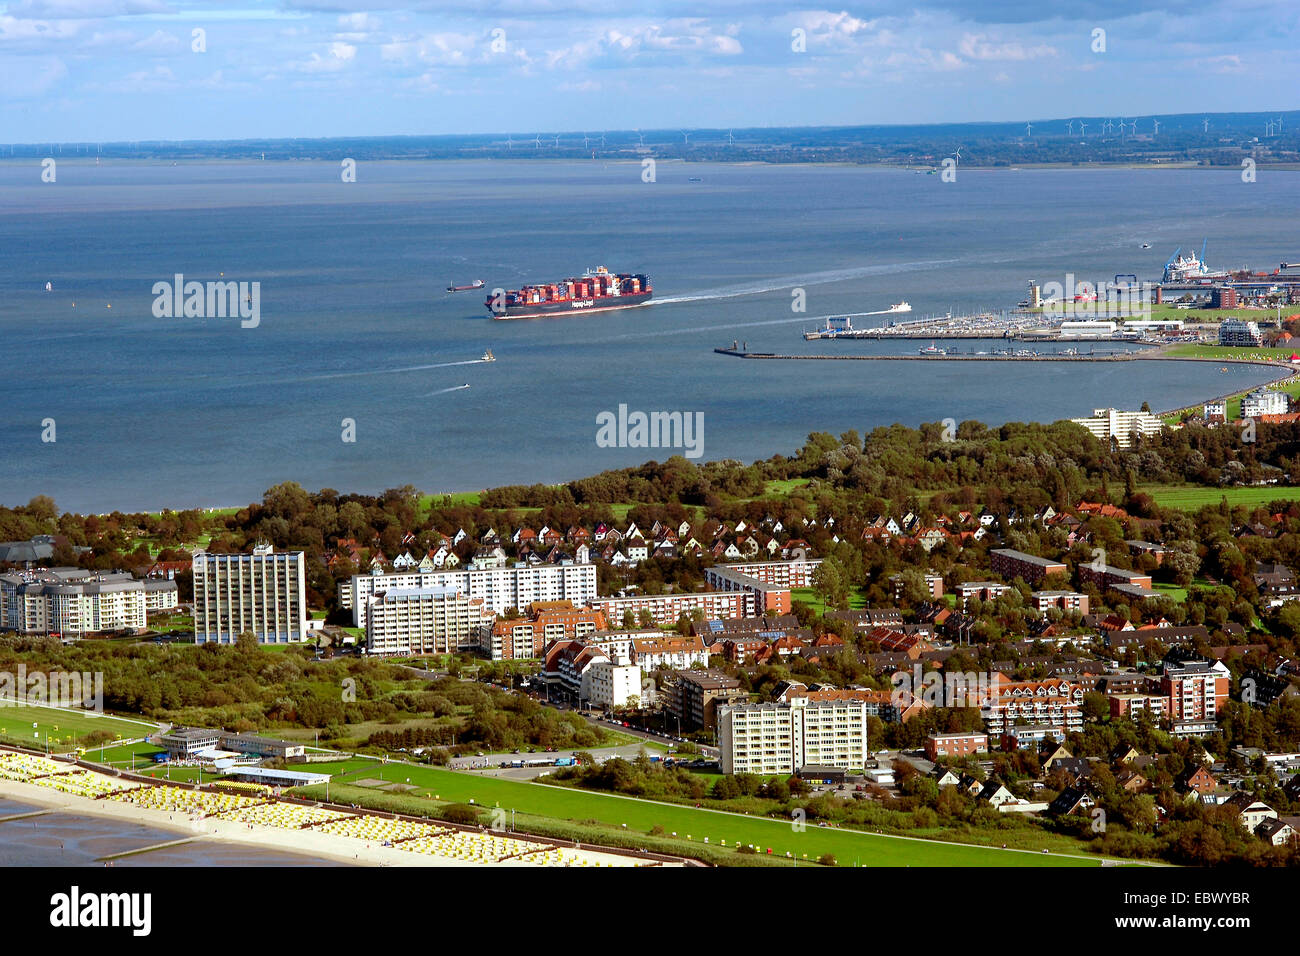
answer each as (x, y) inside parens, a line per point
(337, 57)
(977, 46)
(37, 76)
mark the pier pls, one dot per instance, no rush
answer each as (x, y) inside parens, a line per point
(1118, 357)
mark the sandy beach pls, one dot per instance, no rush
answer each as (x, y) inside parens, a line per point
(339, 849)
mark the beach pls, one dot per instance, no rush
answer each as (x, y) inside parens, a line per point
(307, 842)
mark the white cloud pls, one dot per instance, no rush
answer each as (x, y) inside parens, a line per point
(977, 46)
(337, 58)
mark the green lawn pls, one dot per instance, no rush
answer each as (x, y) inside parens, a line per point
(640, 816)
(1229, 353)
(1195, 497)
(1171, 591)
(63, 726)
(857, 598)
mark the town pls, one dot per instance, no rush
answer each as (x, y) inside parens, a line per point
(1053, 660)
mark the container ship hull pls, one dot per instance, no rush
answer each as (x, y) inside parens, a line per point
(572, 306)
(596, 290)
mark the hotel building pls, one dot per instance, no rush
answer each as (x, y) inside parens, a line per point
(263, 593)
(406, 622)
(500, 588)
(782, 738)
(1108, 423)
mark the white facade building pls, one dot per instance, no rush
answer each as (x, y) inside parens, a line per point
(263, 593)
(417, 621)
(606, 684)
(780, 738)
(1107, 423)
(1264, 401)
(500, 588)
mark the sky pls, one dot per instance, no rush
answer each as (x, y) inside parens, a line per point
(119, 70)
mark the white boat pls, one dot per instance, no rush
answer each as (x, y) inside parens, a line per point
(900, 307)
(49, 287)
(488, 356)
(932, 350)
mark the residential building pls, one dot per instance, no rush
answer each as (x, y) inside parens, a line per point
(669, 652)
(979, 590)
(665, 609)
(71, 602)
(765, 598)
(1263, 401)
(1196, 690)
(1041, 601)
(695, 696)
(783, 738)
(795, 573)
(955, 745)
(263, 593)
(1238, 333)
(1012, 564)
(160, 595)
(1054, 703)
(415, 621)
(549, 621)
(500, 588)
(1108, 423)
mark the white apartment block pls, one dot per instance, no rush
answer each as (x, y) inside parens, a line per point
(1263, 401)
(71, 602)
(1237, 332)
(796, 573)
(500, 588)
(406, 622)
(670, 652)
(160, 595)
(665, 609)
(780, 738)
(1108, 423)
(606, 684)
(264, 593)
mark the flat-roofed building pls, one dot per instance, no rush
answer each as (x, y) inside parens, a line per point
(160, 595)
(696, 695)
(766, 598)
(71, 602)
(956, 745)
(501, 589)
(782, 738)
(417, 621)
(795, 573)
(665, 609)
(1108, 423)
(184, 743)
(1042, 601)
(1012, 564)
(979, 591)
(263, 593)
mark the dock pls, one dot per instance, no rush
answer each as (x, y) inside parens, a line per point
(1124, 357)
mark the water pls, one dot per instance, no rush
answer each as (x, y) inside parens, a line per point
(355, 323)
(65, 839)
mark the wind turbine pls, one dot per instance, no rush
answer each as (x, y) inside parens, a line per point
(686, 137)
(1205, 125)
(1279, 125)
(1029, 129)
(1157, 132)
(510, 144)
(1083, 128)
(640, 138)
(602, 139)
(1268, 128)
(731, 140)
(1070, 126)
(584, 141)
(1133, 127)
(958, 155)
(557, 141)
(537, 141)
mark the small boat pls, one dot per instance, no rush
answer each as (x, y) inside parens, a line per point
(476, 284)
(931, 350)
(903, 306)
(488, 356)
(696, 179)
(49, 287)
(1146, 245)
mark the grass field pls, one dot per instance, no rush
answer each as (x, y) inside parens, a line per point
(63, 726)
(1195, 497)
(857, 598)
(640, 816)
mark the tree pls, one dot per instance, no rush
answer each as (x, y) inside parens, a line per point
(830, 582)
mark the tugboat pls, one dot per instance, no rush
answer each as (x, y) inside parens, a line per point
(476, 284)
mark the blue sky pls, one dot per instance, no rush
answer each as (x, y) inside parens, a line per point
(101, 70)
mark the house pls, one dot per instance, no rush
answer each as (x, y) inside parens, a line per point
(1198, 780)
(996, 794)
(1250, 811)
(1279, 831)
(1072, 800)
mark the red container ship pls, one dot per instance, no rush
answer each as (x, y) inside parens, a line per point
(597, 290)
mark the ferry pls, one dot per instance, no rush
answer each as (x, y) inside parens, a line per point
(903, 306)
(476, 284)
